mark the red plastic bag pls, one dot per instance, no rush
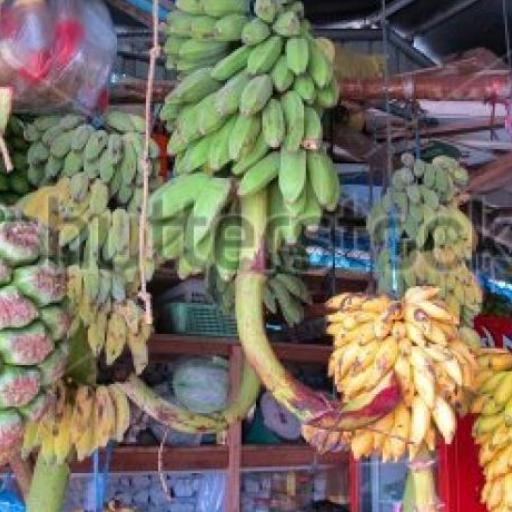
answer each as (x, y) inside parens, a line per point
(56, 54)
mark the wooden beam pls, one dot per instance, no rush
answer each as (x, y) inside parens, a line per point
(233, 475)
(164, 346)
(492, 176)
(144, 459)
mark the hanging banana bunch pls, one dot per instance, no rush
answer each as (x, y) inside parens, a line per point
(418, 340)
(80, 421)
(493, 428)
(251, 168)
(436, 239)
(70, 146)
(285, 292)
(89, 188)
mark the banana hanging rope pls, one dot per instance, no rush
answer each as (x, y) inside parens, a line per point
(154, 53)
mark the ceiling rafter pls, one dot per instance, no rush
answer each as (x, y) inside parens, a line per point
(130, 10)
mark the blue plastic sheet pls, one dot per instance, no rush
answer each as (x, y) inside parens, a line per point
(9, 499)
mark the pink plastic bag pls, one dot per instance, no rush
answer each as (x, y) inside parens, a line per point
(56, 54)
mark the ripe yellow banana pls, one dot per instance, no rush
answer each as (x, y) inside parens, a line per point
(362, 444)
(122, 411)
(420, 422)
(438, 312)
(420, 294)
(444, 418)
(401, 432)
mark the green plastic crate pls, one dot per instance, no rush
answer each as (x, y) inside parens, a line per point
(198, 319)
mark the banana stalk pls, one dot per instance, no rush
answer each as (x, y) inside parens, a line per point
(408, 501)
(310, 407)
(184, 421)
(48, 487)
(420, 489)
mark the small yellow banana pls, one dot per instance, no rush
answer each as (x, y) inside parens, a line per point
(400, 432)
(420, 422)
(503, 392)
(415, 334)
(362, 444)
(438, 312)
(420, 294)
(122, 411)
(376, 304)
(444, 418)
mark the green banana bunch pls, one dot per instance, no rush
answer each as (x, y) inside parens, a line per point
(254, 104)
(247, 118)
(285, 292)
(436, 237)
(201, 32)
(102, 243)
(257, 113)
(69, 146)
(15, 184)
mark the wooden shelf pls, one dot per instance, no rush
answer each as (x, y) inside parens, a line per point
(204, 458)
(169, 274)
(161, 346)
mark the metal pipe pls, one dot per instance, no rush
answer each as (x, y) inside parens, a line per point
(375, 34)
(492, 86)
(444, 16)
(492, 176)
(392, 9)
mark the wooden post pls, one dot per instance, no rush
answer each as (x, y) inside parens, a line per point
(234, 441)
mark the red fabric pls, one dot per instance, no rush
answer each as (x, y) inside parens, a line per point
(496, 331)
(460, 479)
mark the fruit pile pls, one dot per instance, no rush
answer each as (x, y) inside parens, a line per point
(80, 421)
(33, 325)
(435, 239)
(418, 340)
(493, 428)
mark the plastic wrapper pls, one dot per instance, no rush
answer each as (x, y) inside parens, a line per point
(56, 54)
(211, 493)
(10, 501)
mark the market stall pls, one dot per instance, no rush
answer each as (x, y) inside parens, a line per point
(253, 258)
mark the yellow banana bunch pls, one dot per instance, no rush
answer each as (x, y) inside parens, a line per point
(493, 428)
(80, 421)
(418, 340)
(113, 321)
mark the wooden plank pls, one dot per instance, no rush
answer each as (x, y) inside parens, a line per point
(144, 459)
(263, 456)
(161, 346)
(233, 476)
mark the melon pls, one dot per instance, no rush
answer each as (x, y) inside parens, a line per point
(202, 385)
